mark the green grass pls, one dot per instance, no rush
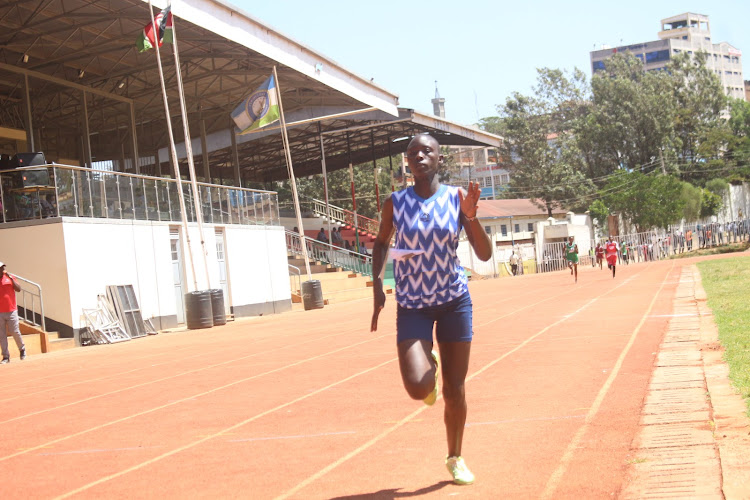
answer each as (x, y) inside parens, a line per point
(727, 285)
(733, 247)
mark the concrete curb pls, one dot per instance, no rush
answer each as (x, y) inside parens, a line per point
(694, 440)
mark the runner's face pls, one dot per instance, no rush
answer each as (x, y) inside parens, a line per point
(423, 156)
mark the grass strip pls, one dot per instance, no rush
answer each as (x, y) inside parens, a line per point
(727, 285)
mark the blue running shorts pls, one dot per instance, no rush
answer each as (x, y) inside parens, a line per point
(453, 321)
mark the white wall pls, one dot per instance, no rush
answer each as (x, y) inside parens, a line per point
(76, 259)
(257, 263)
(36, 252)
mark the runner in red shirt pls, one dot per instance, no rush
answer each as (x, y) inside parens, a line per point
(599, 254)
(611, 248)
(9, 315)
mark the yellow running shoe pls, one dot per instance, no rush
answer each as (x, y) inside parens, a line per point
(432, 397)
(457, 467)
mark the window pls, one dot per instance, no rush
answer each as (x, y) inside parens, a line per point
(504, 230)
(657, 56)
(639, 56)
(488, 229)
(531, 227)
(598, 65)
(684, 37)
(516, 228)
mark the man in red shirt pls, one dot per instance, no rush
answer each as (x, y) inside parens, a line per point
(9, 314)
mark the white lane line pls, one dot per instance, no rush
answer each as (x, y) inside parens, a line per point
(301, 436)
(556, 477)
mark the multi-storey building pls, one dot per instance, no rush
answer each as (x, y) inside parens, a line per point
(689, 33)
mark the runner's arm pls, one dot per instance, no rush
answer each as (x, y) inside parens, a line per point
(379, 256)
(478, 237)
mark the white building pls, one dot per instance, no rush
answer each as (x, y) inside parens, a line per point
(689, 33)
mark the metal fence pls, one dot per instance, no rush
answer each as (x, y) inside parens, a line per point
(330, 254)
(83, 192)
(30, 303)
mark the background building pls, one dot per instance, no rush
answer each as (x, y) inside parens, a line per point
(689, 33)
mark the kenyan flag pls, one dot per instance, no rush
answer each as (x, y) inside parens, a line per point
(163, 21)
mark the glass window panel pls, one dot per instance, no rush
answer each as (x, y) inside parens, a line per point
(206, 204)
(112, 196)
(174, 202)
(65, 199)
(149, 193)
(189, 207)
(84, 193)
(126, 196)
(139, 199)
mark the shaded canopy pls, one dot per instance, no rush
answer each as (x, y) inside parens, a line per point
(77, 62)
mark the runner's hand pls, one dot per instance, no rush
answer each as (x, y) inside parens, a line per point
(470, 201)
(378, 304)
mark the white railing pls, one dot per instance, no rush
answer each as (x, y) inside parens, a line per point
(319, 251)
(345, 216)
(297, 274)
(84, 192)
(32, 302)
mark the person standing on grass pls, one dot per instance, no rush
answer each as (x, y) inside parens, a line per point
(431, 287)
(9, 315)
(611, 248)
(571, 255)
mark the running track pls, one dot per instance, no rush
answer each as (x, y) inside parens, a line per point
(310, 404)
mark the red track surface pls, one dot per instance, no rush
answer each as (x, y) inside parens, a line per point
(310, 404)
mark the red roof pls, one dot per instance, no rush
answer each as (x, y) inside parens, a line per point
(507, 208)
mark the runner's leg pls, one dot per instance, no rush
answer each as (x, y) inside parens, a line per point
(454, 357)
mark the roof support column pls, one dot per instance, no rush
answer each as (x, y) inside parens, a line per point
(134, 140)
(86, 134)
(235, 157)
(29, 125)
(204, 151)
(390, 161)
(375, 170)
(354, 197)
(325, 183)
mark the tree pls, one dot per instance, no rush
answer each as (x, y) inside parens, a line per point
(539, 146)
(692, 198)
(710, 204)
(600, 213)
(630, 122)
(647, 200)
(699, 130)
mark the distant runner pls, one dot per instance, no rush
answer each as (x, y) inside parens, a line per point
(571, 255)
(611, 248)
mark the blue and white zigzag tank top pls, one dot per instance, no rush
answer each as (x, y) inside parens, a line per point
(433, 225)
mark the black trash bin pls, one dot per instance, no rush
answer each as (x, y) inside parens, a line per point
(198, 312)
(312, 295)
(217, 305)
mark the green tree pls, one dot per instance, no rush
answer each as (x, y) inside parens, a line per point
(539, 147)
(710, 204)
(699, 101)
(646, 200)
(631, 121)
(693, 199)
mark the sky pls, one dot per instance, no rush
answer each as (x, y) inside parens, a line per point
(480, 51)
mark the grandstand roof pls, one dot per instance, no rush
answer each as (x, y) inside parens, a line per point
(66, 49)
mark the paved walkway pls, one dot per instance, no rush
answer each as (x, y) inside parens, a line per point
(694, 440)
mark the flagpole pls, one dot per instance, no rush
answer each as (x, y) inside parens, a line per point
(288, 154)
(173, 149)
(189, 153)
